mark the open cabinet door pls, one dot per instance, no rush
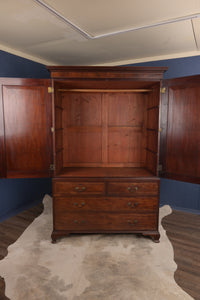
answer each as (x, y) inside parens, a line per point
(25, 128)
(180, 124)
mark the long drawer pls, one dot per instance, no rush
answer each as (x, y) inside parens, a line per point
(66, 204)
(133, 188)
(78, 188)
(95, 222)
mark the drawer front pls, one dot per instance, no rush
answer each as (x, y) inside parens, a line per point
(62, 204)
(133, 188)
(78, 188)
(95, 222)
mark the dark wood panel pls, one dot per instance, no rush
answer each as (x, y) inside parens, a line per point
(183, 135)
(133, 188)
(58, 158)
(78, 188)
(142, 73)
(113, 84)
(80, 222)
(107, 204)
(152, 140)
(126, 109)
(154, 96)
(180, 158)
(58, 118)
(59, 140)
(126, 145)
(153, 115)
(27, 116)
(82, 145)
(82, 109)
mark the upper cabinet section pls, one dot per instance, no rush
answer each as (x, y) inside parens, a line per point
(106, 117)
(25, 141)
(180, 138)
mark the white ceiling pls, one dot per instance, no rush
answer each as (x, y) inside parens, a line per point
(106, 32)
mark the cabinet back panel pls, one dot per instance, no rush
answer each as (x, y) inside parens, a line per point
(104, 128)
(81, 109)
(126, 145)
(126, 109)
(82, 145)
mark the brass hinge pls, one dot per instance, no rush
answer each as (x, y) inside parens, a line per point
(160, 129)
(50, 90)
(52, 129)
(52, 167)
(163, 90)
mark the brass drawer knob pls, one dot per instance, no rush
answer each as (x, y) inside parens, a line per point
(80, 188)
(132, 223)
(79, 205)
(132, 204)
(79, 222)
(132, 188)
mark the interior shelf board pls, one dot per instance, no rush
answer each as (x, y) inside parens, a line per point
(113, 172)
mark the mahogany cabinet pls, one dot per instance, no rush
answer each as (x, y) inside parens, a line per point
(100, 128)
(106, 141)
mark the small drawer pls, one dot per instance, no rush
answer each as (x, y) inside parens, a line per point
(107, 204)
(78, 188)
(95, 222)
(133, 188)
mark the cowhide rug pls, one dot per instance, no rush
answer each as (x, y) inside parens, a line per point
(89, 267)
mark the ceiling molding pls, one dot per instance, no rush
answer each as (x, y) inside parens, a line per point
(149, 59)
(89, 36)
(114, 63)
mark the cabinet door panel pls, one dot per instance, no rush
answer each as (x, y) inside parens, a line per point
(27, 123)
(2, 143)
(180, 144)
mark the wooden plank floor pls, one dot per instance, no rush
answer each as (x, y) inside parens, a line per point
(183, 230)
(10, 231)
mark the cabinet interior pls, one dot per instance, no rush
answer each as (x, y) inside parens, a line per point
(106, 131)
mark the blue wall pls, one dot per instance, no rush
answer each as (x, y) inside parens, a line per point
(19, 194)
(178, 67)
(15, 66)
(180, 195)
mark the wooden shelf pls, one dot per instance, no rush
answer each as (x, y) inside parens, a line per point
(112, 172)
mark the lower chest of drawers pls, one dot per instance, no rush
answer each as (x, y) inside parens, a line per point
(111, 206)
